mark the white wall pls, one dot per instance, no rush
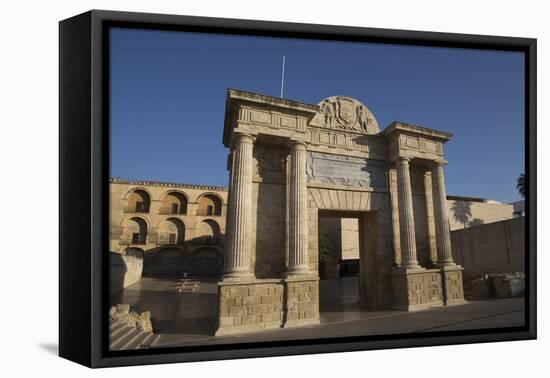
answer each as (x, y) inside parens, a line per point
(28, 151)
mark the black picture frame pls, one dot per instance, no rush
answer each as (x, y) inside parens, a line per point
(84, 168)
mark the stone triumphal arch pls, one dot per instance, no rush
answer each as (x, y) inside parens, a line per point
(291, 161)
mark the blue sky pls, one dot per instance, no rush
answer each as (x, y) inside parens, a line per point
(168, 94)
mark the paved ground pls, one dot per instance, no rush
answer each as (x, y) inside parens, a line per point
(189, 318)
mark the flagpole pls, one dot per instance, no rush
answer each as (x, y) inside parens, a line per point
(283, 78)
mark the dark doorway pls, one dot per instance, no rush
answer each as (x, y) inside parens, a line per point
(347, 260)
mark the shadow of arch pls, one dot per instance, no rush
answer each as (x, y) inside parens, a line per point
(138, 200)
(209, 204)
(207, 232)
(171, 232)
(177, 260)
(174, 202)
(134, 231)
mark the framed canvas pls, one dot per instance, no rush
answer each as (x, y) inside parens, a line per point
(235, 188)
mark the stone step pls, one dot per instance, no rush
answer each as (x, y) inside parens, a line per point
(114, 326)
(155, 341)
(122, 336)
(146, 342)
(136, 341)
(117, 328)
(123, 339)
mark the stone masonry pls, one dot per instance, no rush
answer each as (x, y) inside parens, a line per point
(291, 162)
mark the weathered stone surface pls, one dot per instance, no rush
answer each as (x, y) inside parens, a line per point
(417, 289)
(504, 285)
(306, 160)
(345, 170)
(302, 302)
(250, 306)
(124, 314)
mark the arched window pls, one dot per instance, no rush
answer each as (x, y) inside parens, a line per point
(174, 203)
(171, 232)
(138, 202)
(209, 205)
(208, 232)
(135, 232)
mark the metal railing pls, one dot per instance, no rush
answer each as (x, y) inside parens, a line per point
(133, 209)
(130, 241)
(168, 241)
(206, 213)
(170, 211)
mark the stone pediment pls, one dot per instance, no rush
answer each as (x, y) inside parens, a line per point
(346, 114)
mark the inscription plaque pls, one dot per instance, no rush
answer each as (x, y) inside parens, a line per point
(345, 170)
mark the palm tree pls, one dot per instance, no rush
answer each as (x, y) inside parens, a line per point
(462, 211)
(521, 185)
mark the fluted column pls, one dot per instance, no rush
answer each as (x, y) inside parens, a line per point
(239, 216)
(392, 173)
(432, 245)
(441, 216)
(297, 222)
(406, 215)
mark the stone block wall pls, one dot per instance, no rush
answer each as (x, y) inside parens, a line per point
(265, 304)
(490, 248)
(124, 270)
(302, 302)
(250, 306)
(269, 227)
(415, 290)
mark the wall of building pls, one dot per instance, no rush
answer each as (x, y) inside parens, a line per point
(469, 213)
(490, 248)
(124, 270)
(198, 251)
(343, 233)
(268, 249)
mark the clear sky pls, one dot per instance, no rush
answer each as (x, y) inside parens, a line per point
(168, 94)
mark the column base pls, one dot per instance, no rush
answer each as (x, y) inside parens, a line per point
(299, 271)
(238, 277)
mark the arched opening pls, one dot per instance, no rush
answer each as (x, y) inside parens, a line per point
(135, 232)
(208, 232)
(208, 262)
(171, 232)
(134, 252)
(138, 201)
(174, 203)
(166, 261)
(209, 205)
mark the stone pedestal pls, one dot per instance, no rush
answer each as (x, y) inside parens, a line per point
(302, 302)
(250, 306)
(255, 305)
(453, 288)
(416, 289)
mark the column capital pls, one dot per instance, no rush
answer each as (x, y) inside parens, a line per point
(240, 137)
(297, 144)
(439, 163)
(403, 159)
